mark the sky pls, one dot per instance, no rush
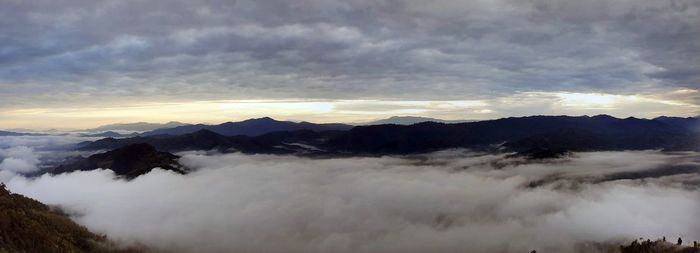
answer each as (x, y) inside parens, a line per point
(84, 63)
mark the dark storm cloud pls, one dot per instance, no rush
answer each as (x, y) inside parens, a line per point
(344, 49)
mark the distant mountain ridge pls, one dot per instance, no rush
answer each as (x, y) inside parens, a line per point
(135, 127)
(251, 127)
(566, 133)
(8, 133)
(583, 133)
(410, 120)
(690, 123)
(111, 134)
(285, 142)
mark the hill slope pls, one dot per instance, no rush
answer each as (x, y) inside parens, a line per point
(27, 225)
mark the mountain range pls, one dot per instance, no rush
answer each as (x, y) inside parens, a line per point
(251, 127)
(584, 133)
(135, 127)
(8, 133)
(242, 128)
(29, 226)
(112, 134)
(410, 120)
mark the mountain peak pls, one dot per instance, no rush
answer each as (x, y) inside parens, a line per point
(204, 131)
(268, 119)
(410, 120)
(603, 116)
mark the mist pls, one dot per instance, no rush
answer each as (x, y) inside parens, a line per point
(450, 201)
(23, 155)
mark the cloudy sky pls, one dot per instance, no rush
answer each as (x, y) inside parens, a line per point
(82, 63)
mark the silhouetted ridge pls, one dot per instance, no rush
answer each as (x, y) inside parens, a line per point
(584, 133)
(410, 120)
(8, 133)
(135, 127)
(250, 127)
(110, 134)
(130, 161)
(199, 140)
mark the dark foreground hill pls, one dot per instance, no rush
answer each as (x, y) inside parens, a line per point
(657, 246)
(28, 226)
(251, 127)
(129, 161)
(598, 133)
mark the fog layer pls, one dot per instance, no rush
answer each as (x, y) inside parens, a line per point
(452, 201)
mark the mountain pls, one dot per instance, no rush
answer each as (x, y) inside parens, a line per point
(135, 127)
(690, 123)
(111, 134)
(129, 161)
(273, 143)
(555, 133)
(583, 133)
(410, 120)
(8, 133)
(251, 127)
(27, 225)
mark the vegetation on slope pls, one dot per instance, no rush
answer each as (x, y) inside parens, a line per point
(27, 225)
(658, 246)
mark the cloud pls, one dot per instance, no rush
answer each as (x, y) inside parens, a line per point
(46, 142)
(21, 155)
(17, 160)
(449, 201)
(208, 50)
(360, 111)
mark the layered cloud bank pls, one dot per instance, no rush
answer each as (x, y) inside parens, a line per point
(28, 154)
(453, 201)
(383, 48)
(142, 60)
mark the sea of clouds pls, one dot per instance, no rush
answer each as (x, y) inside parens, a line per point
(449, 201)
